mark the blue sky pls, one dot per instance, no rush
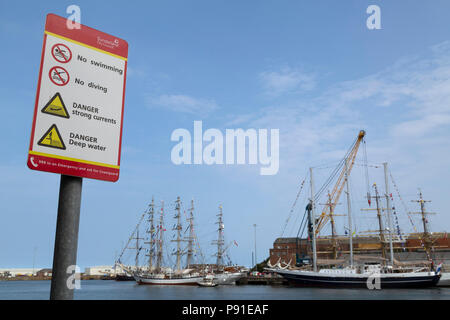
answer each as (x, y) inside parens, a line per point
(309, 68)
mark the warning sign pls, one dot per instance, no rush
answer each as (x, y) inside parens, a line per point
(56, 107)
(52, 138)
(59, 76)
(78, 115)
(61, 53)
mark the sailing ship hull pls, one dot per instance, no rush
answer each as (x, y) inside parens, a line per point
(124, 277)
(207, 284)
(228, 278)
(305, 278)
(168, 281)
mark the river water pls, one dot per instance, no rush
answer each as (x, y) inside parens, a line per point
(129, 290)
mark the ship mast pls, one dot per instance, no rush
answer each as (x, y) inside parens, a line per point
(220, 240)
(312, 217)
(388, 206)
(151, 232)
(190, 240)
(138, 249)
(178, 227)
(426, 233)
(334, 240)
(160, 246)
(380, 223)
(349, 213)
(126, 247)
(333, 225)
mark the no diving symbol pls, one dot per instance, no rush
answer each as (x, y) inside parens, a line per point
(61, 53)
(59, 76)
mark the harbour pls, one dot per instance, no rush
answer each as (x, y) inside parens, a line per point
(113, 290)
(385, 258)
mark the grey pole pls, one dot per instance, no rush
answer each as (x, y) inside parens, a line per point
(388, 205)
(256, 261)
(349, 207)
(253, 259)
(66, 239)
(313, 220)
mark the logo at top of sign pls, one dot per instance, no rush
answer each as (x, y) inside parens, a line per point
(56, 107)
(61, 53)
(59, 76)
(52, 138)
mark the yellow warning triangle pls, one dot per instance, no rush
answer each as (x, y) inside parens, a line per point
(52, 138)
(56, 107)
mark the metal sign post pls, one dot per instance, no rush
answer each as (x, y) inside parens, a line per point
(77, 127)
(66, 240)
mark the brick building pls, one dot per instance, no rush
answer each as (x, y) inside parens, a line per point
(287, 250)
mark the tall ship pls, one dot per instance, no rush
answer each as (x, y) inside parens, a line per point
(339, 266)
(224, 275)
(157, 272)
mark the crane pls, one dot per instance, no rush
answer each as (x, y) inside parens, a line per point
(345, 164)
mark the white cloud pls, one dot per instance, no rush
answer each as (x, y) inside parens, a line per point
(422, 126)
(405, 110)
(287, 80)
(183, 103)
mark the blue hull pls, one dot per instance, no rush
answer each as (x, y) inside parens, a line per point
(361, 282)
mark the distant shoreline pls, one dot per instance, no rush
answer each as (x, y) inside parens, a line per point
(36, 278)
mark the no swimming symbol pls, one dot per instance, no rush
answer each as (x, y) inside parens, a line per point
(61, 53)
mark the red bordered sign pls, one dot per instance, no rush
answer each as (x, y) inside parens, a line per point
(78, 114)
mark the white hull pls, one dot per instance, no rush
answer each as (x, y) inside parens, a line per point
(168, 281)
(228, 278)
(207, 284)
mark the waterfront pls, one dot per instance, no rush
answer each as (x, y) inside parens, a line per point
(129, 290)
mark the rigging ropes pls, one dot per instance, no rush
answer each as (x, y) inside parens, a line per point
(293, 207)
(303, 224)
(131, 237)
(403, 202)
(366, 169)
(335, 172)
(397, 224)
